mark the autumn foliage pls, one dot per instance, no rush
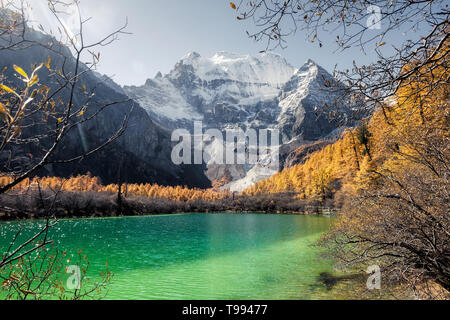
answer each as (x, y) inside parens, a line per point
(336, 167)
(86, 183)
(349, 165)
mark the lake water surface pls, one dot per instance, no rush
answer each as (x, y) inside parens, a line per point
(199, 256)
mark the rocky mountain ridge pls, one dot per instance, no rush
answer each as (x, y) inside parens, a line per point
(242, 91)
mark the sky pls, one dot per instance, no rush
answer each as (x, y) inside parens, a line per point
(163, 31)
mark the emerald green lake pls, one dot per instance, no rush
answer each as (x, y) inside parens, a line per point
(198, 256)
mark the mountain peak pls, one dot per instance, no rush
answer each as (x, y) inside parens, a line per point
(263, 68)
(313, 69)
(309, 64)
(191, 56)
(228, 55)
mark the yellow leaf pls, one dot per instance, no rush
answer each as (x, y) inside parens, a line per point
(381, 44)
(20, 71)
(33, 81)
(60, 120)
(7, 89)
(4, 110)
(17, 131)
(233, 5)
(47, 64)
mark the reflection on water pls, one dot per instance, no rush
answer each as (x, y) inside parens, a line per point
(202, 256)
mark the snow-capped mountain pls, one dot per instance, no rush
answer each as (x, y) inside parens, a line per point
(226, 88)
(230, 90)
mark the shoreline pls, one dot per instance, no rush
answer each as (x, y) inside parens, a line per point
(94, 216)
(33, 205)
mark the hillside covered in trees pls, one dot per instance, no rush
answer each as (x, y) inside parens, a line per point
(395, 138)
